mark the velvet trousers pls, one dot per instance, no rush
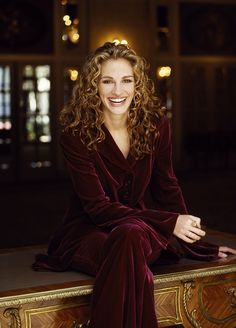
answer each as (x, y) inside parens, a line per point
(123, 295)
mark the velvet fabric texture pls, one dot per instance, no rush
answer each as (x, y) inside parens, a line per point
(109, 232)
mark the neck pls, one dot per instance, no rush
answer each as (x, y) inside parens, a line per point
(115, 122)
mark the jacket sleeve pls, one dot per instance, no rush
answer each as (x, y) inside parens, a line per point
(167, 194)
(164, 186)
(98, 206)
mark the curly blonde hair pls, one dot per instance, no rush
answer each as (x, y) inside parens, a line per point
(84, 115)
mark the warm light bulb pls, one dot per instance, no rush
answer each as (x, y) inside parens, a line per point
(164, 71)
(66, 18)
(64, 37)
(73, 74)
(116, 41)
(68, 22)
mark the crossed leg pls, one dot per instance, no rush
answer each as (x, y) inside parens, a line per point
(123, 292)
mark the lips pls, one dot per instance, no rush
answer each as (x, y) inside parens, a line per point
(117, 100)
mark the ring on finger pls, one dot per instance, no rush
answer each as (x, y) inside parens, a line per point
(194, 223)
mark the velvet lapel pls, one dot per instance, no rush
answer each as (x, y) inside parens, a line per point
(109, 149)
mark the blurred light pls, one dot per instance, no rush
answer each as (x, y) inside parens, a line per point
(76, 21)
(68, 22)
(44, 138)
(66, 18)
(5, 125)
(73, 34)
(64, 37)
(63, 2)
(71, 29)
(117, 41)
(4, 166)
(164, 71)
(73, 74)
(75, 37)
(43, 84)
(39, 164)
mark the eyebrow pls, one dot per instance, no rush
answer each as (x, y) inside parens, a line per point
(110, 77)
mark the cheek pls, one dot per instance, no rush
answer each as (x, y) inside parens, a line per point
(104, 91)
(131, 91)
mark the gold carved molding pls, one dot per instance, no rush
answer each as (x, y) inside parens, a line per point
(194, 274)
(45, 296)
(30, 313)
(81, 325)
(14, 317)
(13, 301)
(232, 291)
(174, 293)
(189, 286)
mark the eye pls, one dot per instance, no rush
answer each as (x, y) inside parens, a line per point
(128, 80)
(107, 81)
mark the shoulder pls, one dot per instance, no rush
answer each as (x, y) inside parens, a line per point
(71, 141)
(163, 125)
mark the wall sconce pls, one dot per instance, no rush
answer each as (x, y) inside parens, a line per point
(163, 72)
(117, 41)
(73, 74)
(70, 21)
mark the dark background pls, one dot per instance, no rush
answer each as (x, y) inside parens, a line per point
(196, 39)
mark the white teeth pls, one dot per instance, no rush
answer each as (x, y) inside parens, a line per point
(117, 100)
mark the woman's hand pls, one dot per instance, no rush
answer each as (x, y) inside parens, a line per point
(188, 228)
(224, 251)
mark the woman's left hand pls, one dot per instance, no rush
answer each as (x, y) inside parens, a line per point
(224, 251)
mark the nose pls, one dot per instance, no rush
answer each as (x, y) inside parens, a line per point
(117, 89)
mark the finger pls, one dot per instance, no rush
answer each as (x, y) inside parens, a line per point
(196, 221)
(186, 239)
(226, 249)
(198, 231)
(192, 236)
(222, 255)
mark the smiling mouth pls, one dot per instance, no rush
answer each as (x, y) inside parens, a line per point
(117, 100)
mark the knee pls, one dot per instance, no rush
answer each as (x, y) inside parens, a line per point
(129, 234)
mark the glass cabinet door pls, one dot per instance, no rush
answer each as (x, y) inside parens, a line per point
(35, 120)
(26, 150)
(6, 147)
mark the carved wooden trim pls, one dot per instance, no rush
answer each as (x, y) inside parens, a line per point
(14, 317)
(81, 325)
(232, 291)
(11, 301)
(175, 293)
(29, 313)
(45, 296)
(193, 274)
(188, 293)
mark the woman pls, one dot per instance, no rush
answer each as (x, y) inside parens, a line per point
(117, 144)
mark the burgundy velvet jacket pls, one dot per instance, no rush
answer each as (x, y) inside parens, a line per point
(109, 189)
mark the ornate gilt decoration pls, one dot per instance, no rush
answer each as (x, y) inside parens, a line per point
(45, 296)
(11, 301)
(14, 316)
(81, 325)
(232, 291)
(193, 274)
(188, 293)
(162, 304)
(29, 314)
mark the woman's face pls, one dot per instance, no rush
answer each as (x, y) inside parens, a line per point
(116, 86)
